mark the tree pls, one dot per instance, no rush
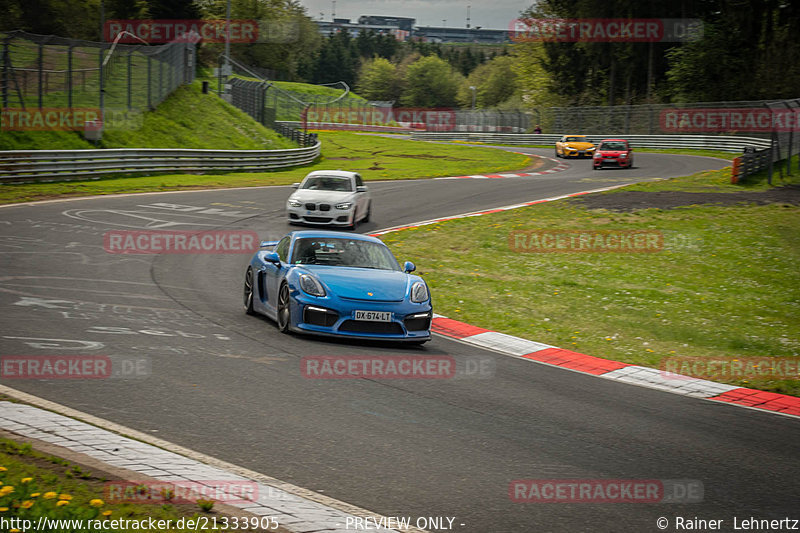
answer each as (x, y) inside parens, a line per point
(494, 82)
(287, 39)
(174, 9)
(431, 82)
(378, 80)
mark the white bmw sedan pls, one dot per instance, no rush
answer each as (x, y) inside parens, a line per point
(330, 197)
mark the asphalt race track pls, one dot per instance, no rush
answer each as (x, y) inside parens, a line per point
(229, 385)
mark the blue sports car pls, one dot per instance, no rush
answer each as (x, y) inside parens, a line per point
(339, 284)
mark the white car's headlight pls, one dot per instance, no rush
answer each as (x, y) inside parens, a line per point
(344, 205)
(295, 203)
(311, 285)
(419, 292)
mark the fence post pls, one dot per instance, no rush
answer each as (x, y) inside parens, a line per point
(69, 76)
(6, 72)
(102, 83)
(40, 67)
(149, 84)
(130, 79)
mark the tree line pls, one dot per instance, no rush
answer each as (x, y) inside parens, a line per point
(748, 50)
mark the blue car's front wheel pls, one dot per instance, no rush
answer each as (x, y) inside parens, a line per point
(248, 292)
(284, 312)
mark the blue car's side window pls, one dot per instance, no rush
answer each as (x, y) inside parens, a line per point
(282, 249)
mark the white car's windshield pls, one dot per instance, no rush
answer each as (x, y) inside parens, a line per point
(343, 252)
(327, 183)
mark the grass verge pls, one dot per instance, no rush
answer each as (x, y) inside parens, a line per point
(37, 485)
(725, 286)
(376, 158)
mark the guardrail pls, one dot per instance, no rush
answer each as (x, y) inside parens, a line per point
(706, 142)
(64, 165)
(749, 163)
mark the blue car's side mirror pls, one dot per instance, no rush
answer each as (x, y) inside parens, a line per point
(409, 267)
(272, 257)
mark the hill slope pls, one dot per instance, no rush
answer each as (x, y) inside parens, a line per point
(187, 119)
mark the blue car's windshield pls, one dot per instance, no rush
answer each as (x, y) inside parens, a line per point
(343, 252)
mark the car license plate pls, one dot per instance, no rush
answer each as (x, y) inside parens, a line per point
(374, 316)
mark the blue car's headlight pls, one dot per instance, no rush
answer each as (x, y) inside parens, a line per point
(344, 205)
(311, 285)
(419, 292)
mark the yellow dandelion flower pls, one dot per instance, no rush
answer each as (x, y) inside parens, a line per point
(3, 509)
(8, 489)
(96, 502)
(35, 494)
(106, 513)
(61, 503)
(64, 496)
(3, 469)
(15, 530)
(50, 495)
(26, 480)
(27, 504)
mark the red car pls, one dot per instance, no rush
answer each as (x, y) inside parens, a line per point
(613, 153)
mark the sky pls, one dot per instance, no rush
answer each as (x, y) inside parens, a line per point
(492, 14)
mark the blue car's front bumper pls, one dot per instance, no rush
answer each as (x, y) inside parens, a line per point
(335, 316)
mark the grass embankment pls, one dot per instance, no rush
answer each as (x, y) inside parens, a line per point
(187, 119)
(36, 484)
(376, 158)
(725, 286)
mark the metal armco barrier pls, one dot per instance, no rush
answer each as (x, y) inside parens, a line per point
(705, 142)
(65, 165)
(749, 163)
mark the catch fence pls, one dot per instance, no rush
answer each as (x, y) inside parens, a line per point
(46, 71)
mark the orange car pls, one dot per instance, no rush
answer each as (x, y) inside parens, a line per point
(574, 146)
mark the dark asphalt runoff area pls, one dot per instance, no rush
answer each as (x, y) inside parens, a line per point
(230, 386)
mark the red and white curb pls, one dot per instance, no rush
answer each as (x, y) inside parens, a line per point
(606, 368)
(560, 165)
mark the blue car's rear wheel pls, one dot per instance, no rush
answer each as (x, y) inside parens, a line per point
(283, 309)
(248, 292)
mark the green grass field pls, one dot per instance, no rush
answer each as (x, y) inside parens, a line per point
(725, 286)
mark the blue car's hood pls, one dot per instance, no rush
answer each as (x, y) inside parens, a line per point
(358, 283)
